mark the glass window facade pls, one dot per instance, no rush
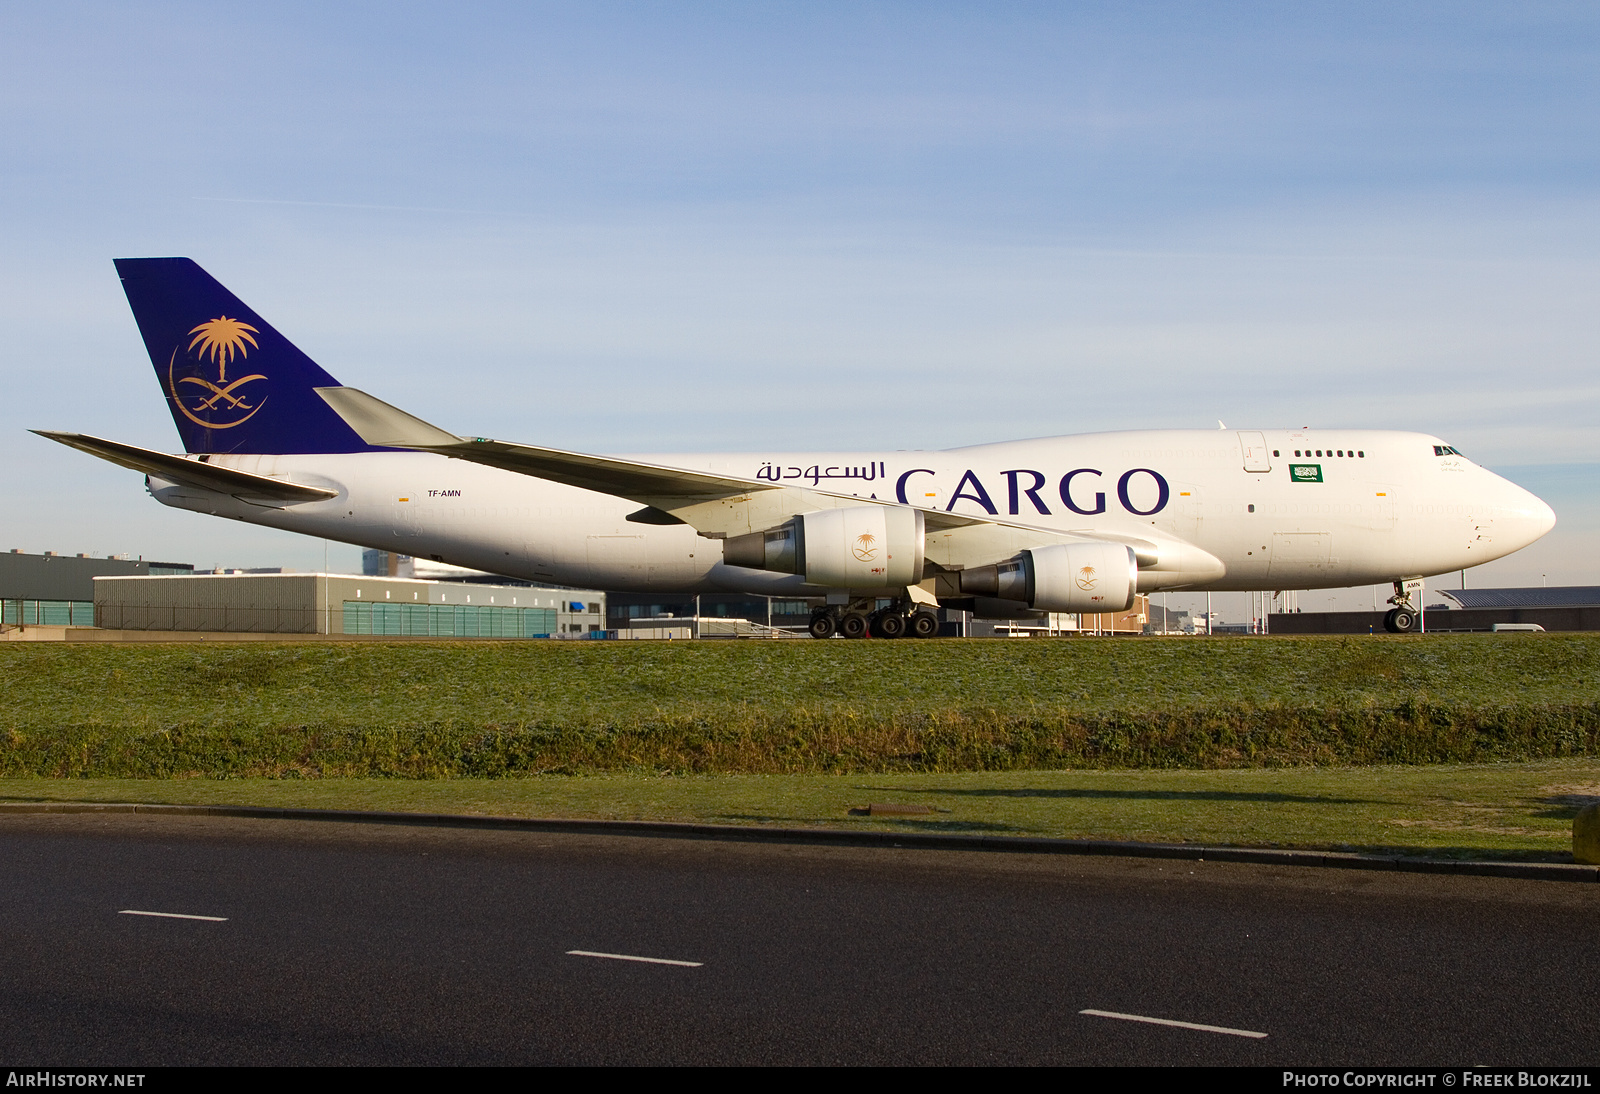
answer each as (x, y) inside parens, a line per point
(447, 620)
(54, 613)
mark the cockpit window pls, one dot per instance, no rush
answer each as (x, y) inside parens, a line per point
(1445, 450)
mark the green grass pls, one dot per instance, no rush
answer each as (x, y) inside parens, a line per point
(1519, 811)
(265, 682)
(1479, 745)
(428, 710)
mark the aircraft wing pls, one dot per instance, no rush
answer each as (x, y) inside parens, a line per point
(718, 506)
(378, 423)
(193, 472)
(713, 504)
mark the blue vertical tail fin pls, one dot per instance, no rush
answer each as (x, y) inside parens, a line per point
(232, 382)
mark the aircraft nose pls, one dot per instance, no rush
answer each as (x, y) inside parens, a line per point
(1545, 519)
(1524, 516)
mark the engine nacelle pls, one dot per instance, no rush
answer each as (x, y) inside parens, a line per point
(1064, 577)
(855, 547)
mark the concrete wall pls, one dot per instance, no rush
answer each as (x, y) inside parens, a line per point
(273, 604)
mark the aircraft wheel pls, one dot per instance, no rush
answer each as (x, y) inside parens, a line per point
(924, 625)
(891, 624)
(853, 625)
(822, 625)
(1400, 621)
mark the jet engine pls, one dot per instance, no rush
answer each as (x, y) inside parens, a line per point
(1064, 577)
(855, 547)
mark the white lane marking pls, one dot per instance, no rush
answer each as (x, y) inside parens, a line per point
(631, 957)
(1170, 1022)
(177, 915)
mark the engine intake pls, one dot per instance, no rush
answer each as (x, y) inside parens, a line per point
(1064, 577)
(855, 547)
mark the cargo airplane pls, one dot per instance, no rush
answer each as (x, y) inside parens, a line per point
(1062, 524)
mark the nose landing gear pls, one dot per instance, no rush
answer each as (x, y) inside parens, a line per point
(1402, 618)
(1399, 621)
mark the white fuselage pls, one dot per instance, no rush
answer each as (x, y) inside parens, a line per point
(1361, 506)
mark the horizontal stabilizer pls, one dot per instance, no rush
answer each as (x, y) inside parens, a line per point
(206, 476)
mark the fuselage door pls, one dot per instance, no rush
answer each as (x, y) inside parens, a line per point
(407, 521)
(1300, 557)
(1253, 446)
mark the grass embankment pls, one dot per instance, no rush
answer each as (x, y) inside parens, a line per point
(1521, 811)
(417, 710)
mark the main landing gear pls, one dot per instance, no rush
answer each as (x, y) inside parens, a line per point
(1402, 618)
(858, 619)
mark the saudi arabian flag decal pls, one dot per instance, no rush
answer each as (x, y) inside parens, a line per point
(1305, 472)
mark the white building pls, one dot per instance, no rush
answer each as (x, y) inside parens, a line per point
(336, 604)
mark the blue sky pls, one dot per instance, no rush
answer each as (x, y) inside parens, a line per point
(757, 226)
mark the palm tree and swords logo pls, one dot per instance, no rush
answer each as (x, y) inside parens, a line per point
(219, 342)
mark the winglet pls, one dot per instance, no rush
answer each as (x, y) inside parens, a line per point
(382, 425)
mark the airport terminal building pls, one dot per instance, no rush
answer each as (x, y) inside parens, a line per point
(60, 596)
(343, 604)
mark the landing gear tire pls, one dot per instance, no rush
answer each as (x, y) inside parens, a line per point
(924, 625)
(891, 624)
(1399, 620)
(822, 625)
(853, 625)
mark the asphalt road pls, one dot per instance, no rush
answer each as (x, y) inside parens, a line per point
(354, 944)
